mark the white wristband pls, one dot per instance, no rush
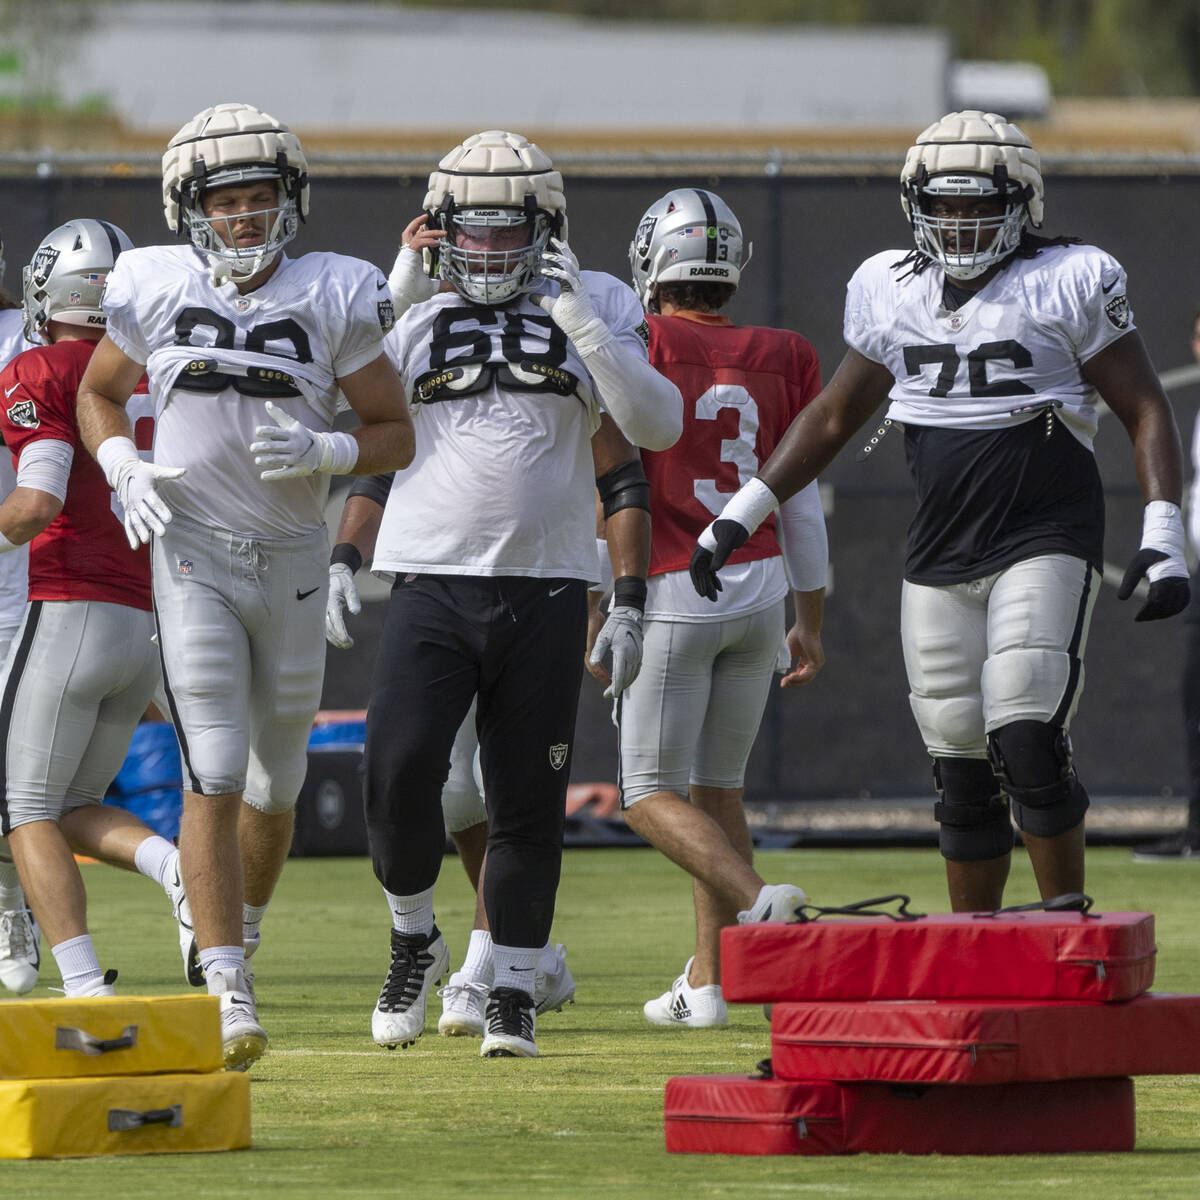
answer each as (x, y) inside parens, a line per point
(5, 544)
(339, 452)
(112, 454)
(750, 506)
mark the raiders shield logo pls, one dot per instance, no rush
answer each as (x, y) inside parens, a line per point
(643, 331)
(558, 755)
(43, 264)
(24, 413)
(641, 240)
(387, 315)
(1117, 310)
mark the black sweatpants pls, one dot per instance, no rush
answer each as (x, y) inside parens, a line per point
(518, 644)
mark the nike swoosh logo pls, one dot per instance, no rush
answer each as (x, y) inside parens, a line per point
(1108, 287)
(555, 591)
(305, 595)
(522, 968)
(380, 286)
(9, 391)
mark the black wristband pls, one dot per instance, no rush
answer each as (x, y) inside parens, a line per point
(348, 554)
(629, 592)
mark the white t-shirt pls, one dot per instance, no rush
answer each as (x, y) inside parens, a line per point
(1015, 346)
(504, 410)
(14, 566)
(215, 357)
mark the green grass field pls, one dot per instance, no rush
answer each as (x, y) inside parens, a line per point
(335, 1116)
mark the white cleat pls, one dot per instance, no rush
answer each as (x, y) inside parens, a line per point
(464, 1005)
(778, 902)
(182, 913)
(511, 1021)
(684, 1005)
(243, 1039)
(418, 963)
(20, 954)
(553, 985)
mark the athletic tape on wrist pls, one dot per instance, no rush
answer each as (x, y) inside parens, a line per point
(348, 554)
(629, 592)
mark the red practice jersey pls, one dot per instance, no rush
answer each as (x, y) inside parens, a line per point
(82, 554)
(742, 385)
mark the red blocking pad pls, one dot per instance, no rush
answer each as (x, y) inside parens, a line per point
(736, 1114)
(981, 1042)
(979, 956)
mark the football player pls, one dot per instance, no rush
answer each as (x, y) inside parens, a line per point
(687, 723)
(992, 344)
(84, 665)
(19, 941)
(247, 351)
(530, 381)
(465, 996)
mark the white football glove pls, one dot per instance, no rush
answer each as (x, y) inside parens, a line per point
(343, 598)
(571, 310)
(408, 282)
(136, 485)
(783, 658)
(622, 634)
(290, 450)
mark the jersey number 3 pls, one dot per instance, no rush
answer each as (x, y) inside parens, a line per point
(737, 451)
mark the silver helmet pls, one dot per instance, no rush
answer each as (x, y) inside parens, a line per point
(496, 189)
(976, 154)
(227, 145)
(688, 236)
(66, 276)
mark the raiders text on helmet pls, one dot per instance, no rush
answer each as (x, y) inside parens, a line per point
(66, 277)
(687, 235)
(494, 180)
(971, 153)
(226, 145)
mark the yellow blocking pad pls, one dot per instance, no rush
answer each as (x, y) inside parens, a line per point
(109, 1035)
(124, 1114)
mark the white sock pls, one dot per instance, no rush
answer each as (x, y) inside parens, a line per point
(222, 958)
(516, 967)
(78, 965)
(11, 895)
(252, 915)
(412, 914)
(478, 966)
(156, 858)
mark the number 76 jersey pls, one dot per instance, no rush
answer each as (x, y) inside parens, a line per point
(1014, 347)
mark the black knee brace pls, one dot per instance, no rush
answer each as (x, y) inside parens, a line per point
(971, 811)
(1032, 761)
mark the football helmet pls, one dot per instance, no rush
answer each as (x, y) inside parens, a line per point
(483, 194)
(688, 236)
(971, 153)
(65, 279)
(226, 145)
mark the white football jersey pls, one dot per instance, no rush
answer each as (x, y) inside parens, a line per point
(215, 357)
(504, 410)
(14, 566)
(1014, 347)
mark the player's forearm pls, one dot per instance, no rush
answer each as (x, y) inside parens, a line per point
(384, 446)
(645, 405)
(628, 537)
(100, 418)
(809, 610)
(24, 513)
(359, 526)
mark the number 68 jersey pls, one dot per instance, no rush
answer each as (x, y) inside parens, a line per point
(504, 410)
(215, 357)
(1014, 347)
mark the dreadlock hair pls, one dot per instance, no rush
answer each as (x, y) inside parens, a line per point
(1030, 246)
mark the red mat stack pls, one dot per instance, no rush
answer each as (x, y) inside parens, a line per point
(976, 1033)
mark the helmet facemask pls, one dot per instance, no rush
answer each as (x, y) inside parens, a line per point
(214, 236)
(492, 254)
(966, 247)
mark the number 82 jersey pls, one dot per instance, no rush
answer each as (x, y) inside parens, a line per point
(1014, 347)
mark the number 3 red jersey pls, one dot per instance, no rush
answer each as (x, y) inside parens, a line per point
(742, 386)
(82, 554)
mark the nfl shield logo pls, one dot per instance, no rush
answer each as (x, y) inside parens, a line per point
(185, 566)
(243, 303)
(558, 755)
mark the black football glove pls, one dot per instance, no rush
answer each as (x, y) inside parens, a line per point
(713, 548)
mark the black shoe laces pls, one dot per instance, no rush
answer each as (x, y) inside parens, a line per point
(411, 959)
(510, 1012)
